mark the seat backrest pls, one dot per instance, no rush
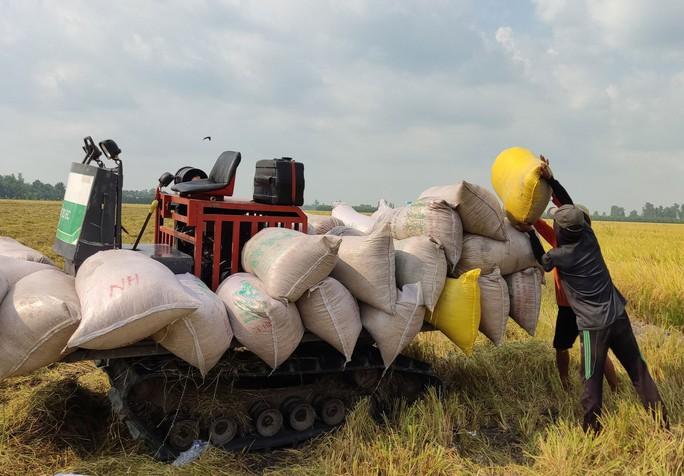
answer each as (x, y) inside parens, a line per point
(225, 166)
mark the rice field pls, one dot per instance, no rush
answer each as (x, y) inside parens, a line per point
(503, 411)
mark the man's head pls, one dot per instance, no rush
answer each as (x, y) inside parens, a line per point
(569, 221)
(570, 217)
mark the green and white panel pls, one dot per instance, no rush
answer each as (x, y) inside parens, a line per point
(74, 207)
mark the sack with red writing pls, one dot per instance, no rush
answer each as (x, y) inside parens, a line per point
(126, 297)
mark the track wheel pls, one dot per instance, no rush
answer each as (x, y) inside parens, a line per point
(268, 421)
(182, 434)
(222, 431)
(300, 415)
(330, 410)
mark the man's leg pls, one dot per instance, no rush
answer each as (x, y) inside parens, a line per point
(593, 351)
(563, 365)
(626, 349)
(563, 339)
(611, 376)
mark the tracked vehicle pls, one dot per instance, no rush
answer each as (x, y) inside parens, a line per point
(241, 404)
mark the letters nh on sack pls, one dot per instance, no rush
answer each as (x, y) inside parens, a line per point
(126, 282)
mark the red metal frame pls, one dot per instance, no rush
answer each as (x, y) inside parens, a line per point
(208, 216)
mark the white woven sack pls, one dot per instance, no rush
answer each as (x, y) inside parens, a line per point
(37, 317)
(11, 248)
(345, 231)
(4, 287)
(331, 312)
(494, 305)
(202, 337)
(433, 218)
(321, 224)
(479, 209)
(421, 259)
(288, 262)
(525, 289)
(486, 254)
(383, 214)
(366, 268)
(393, 332)
(126, 297)
(13, 269)
(270, 328)
(353, 219)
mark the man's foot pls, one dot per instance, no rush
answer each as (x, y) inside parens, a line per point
(567, 385)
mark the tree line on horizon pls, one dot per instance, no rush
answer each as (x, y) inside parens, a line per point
(16, 187)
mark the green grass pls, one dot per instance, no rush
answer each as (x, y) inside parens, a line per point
(503, 411)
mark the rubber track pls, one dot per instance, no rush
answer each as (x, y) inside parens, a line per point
(309, 362)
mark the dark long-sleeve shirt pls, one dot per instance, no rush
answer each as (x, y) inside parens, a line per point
(584, 276)
(560, 197)
(586, 281)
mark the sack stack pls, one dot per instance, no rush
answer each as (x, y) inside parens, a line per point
(481, 245)
(452, 258)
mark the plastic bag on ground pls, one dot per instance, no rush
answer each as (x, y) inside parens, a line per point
(321, 224)
(353, 219)
(13, 269)
(37, 317)
(479, 209)
(394, 332)
(420, 259)
(486, 254)
(433, 218)
(202, 337)
(495, 306)
(288, 262)
(192, 454)
(126, 297)
(268, 327)
(525, 292)
(11, 248)
(366, 268)
(458, 310)
(331, 312)
(516, 177)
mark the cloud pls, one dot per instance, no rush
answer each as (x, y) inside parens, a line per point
(377, 98)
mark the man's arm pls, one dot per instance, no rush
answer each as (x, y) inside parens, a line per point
(544, 259)
(560, 195)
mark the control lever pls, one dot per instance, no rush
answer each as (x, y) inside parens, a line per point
(153, 208)
(111, 149)
(92, 152)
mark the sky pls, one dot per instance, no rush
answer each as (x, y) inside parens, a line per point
(379, 99)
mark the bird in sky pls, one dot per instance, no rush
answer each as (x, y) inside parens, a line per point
(207, 138)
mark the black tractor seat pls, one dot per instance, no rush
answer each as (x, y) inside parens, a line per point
(220, 181)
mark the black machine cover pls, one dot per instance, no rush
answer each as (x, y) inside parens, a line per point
(279, 182)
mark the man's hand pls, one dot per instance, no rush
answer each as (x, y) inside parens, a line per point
(545, 170)
(523, 227)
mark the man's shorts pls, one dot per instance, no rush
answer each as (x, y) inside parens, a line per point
(566, 329)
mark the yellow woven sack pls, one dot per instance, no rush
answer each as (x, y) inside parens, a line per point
(457, 313)
(516, 180)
